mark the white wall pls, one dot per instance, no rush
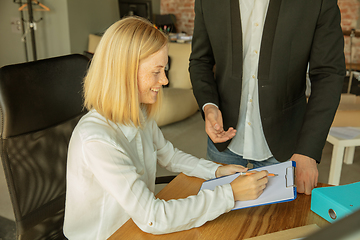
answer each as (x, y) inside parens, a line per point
(51, 35)
(86, 17)
(11, 47)
(63, 30)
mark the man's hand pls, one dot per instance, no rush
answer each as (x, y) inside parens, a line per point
(306, 173)
(214, 125)
(229, 169)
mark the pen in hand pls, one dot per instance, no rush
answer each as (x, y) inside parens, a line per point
(250, 173)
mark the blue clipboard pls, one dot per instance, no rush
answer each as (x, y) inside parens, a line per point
(281, 188)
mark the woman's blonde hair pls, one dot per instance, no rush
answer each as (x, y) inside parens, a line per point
(111, 86)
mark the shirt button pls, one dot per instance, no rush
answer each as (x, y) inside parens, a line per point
(255, 52)
(150, 224)
(256, 24)
(249, 123)
(253, 76)
(250, 100)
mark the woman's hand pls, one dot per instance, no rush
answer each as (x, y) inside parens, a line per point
(249, 187)
(229, 169)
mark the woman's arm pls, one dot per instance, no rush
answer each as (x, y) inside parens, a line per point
(176, 160)
(117, 174)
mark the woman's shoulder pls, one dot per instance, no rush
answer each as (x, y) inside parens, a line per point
(94, 126)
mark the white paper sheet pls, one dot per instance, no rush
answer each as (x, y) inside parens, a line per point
(280, 188)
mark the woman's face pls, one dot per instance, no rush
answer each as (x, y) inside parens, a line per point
(151, 75)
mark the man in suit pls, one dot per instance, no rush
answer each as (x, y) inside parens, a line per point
(248, 69)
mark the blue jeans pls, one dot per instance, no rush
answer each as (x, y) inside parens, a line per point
(228, 157)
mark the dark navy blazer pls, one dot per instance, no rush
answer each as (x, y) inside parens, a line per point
(296, 32)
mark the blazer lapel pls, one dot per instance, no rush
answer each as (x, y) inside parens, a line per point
(236, 39)
(268, 39)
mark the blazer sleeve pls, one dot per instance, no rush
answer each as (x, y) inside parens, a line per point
(202, 62)
(327, 71)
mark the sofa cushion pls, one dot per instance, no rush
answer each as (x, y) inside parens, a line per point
(177, 105)
(167, 68)
(348, 112)
(179, 76)
(93, 42)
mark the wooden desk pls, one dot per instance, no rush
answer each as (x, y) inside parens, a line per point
(238, 224)
(353, 66)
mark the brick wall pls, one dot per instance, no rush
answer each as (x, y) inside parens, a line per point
(184, 12)
(350, 20)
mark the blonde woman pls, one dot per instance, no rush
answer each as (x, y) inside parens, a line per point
(115, 147)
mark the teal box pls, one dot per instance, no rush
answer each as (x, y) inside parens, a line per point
(334, 203)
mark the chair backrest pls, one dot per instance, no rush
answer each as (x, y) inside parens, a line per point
(40, 103)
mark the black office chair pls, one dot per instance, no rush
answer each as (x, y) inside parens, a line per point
(40, 103)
